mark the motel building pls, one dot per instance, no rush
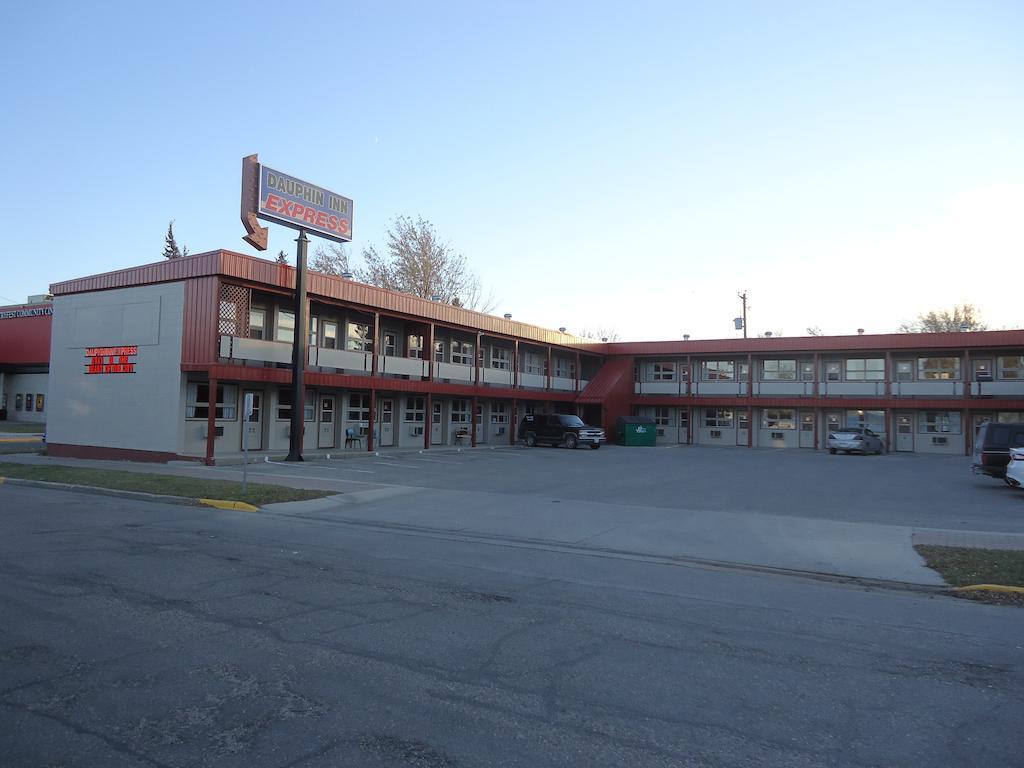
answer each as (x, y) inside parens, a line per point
(154, 363)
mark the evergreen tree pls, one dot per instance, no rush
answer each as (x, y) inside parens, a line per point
(281, 258)
(171, 250)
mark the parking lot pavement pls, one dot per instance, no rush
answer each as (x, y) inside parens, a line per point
(894, 489)
(845, 515)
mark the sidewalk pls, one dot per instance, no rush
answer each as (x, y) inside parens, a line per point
(865, 550)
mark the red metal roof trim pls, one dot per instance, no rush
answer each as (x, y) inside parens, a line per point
(881, 342)
(262, 271)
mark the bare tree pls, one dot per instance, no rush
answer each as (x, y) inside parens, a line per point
(416, 261)
(963, 317)
(281, 258)
(330, 260)
(600, 333)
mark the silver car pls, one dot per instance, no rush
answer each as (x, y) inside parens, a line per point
(849, 439)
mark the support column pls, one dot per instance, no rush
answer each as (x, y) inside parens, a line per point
(211, 423)
(299, 343)
(968, 374)
(514, 424)
(750, 396)
(968, 427)
(548, 387)
(515, 365)
(472, 422)
(429, 353)
(479, 357)
(373, 420)
(428, 421)
(578, 371)
(375, 344)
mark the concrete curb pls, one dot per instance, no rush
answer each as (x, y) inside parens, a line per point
(184, 501)
(991, 588)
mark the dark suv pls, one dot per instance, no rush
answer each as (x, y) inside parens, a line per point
(559, 429)
(992, 447)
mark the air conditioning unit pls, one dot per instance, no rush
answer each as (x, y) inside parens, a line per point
(661, 432)
(218, 431)
(415, 431)
(940, 440)
(499, 431)
(716, 433)
(778, 435)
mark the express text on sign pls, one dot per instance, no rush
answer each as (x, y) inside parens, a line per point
(299, 204)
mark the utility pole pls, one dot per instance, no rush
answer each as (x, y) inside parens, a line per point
(743, 298)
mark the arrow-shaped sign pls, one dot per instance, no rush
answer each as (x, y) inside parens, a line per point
(257, 235)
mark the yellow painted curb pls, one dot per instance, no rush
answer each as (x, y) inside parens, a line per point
(991, 588)
(2, 480)
(241, 506)
(26, 439)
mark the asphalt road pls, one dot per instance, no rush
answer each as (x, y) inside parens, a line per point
(138, 634)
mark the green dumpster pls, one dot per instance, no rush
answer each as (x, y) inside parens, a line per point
(636, 430)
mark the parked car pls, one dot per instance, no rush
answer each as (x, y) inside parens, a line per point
(850, 439)
(1015, 469)
(559, 429)
(992, 447)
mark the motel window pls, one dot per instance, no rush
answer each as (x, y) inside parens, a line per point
(390, 344)
(536, 363)
(904, 370)
(865, 369)
(718, 370)
(684, 418)
(1010, 367)
(415, 409)
(197, 403)
(499, 358)
(414, 343)
(314, 330)
(357, 337)
(565, 368)
(460, 411)
(778, 418)
(941, 422)
(358, 407)
(438, 351)
(663, 371)
(284, 405)
(718, 417)
(661, 416)
(330, 335)
(462, 352)
(938, 368)
(833, 370)
(806, 371)
(285, 330)
(1009, 417)
(684, 372)
(778, 370)
(499, 413)
(742, 419)
(257, 323)
(309, 406)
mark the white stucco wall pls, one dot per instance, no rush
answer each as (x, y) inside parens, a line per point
(139, 411)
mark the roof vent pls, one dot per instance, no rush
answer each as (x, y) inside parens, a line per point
(767, 334)
(686, 337)
(860, 331)
(508, 315)
(561, 329)
(347, 275)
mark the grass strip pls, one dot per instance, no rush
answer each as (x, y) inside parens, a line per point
(965, 566)
(22, 428)
(171, 485)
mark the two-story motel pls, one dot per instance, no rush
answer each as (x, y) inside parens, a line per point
(154, 363)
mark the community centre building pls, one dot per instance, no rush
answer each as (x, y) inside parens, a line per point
(154, 363)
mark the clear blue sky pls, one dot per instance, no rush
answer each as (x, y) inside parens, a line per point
(630, 166)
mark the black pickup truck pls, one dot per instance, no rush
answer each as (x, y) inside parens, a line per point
(559, 429)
